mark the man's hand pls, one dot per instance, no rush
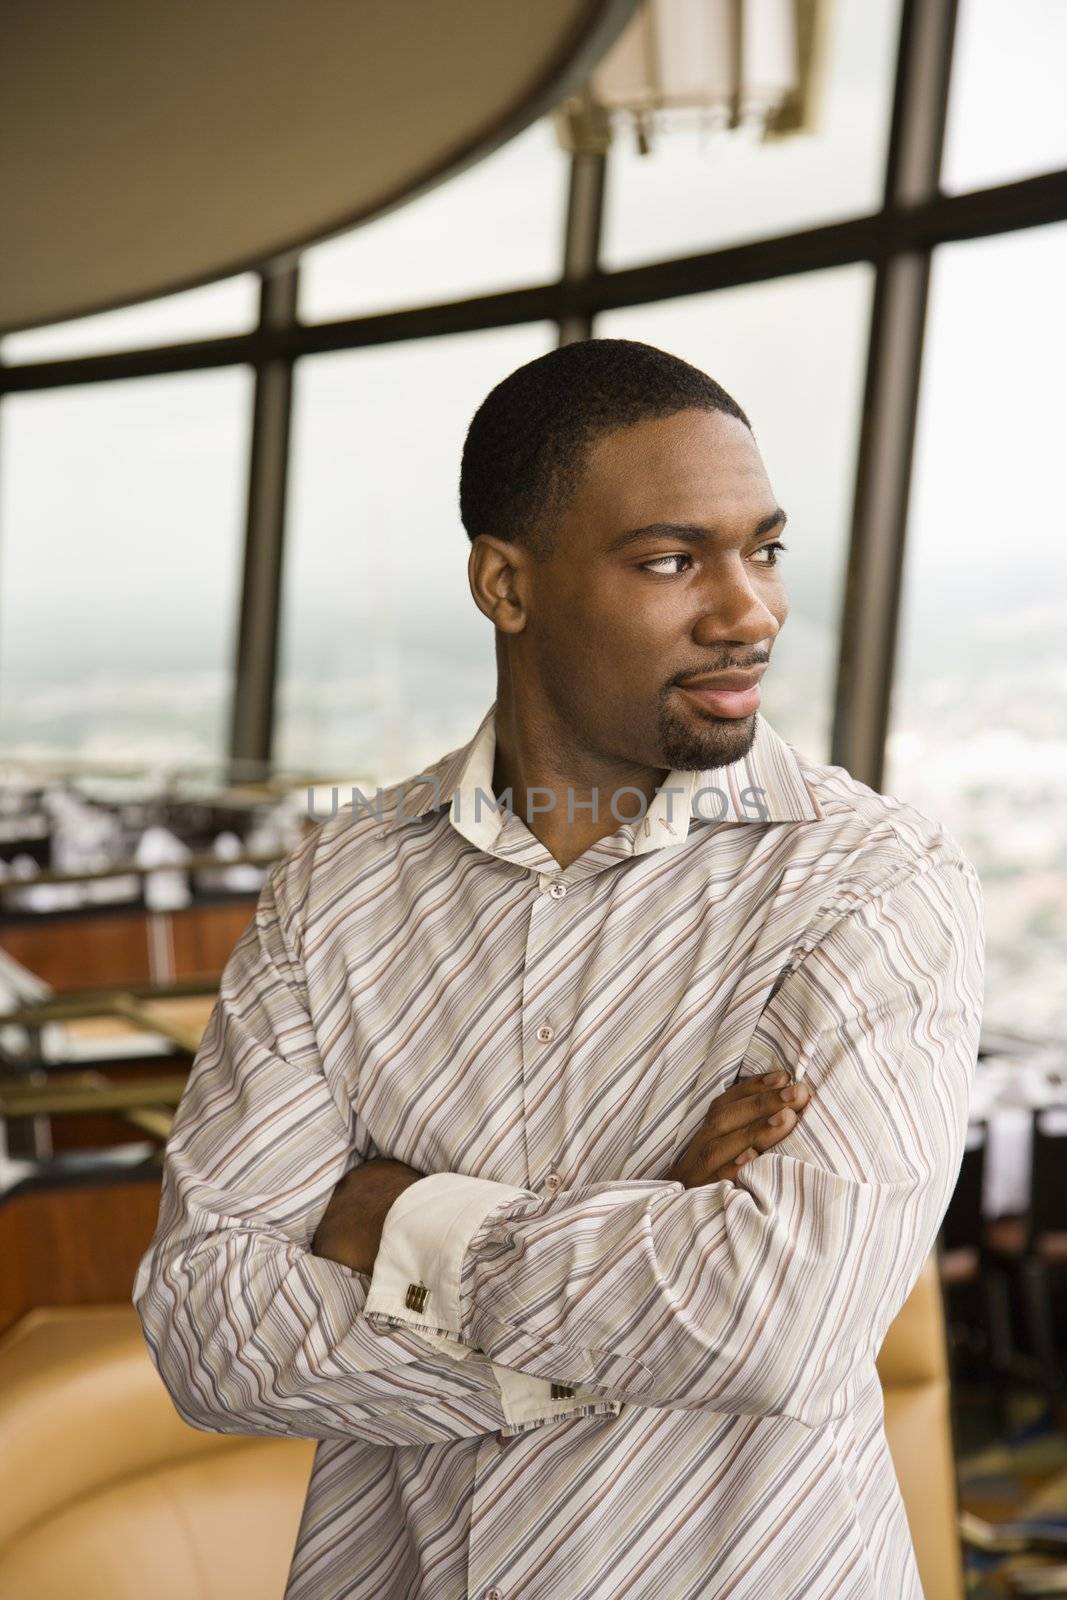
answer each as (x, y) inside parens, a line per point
(749, 1117)
(351, 1227)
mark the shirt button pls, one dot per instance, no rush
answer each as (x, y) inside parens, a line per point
(553, 1181)
(545, 1033)
(558, 890)
(494, 1593)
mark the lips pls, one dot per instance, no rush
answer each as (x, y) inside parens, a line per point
(726, 694)
(716, 681)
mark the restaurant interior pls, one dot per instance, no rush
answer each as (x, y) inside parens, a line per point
(261, 264)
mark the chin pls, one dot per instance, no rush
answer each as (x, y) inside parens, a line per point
(702, 740)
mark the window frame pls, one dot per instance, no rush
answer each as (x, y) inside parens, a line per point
(898, 240)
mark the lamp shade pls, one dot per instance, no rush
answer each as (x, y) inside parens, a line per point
(722, 62)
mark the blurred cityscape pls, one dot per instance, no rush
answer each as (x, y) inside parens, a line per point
(987, 755)
(984, 754)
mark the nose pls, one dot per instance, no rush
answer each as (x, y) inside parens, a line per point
(733, 609)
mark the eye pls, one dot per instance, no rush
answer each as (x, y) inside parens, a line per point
(679, 555)
(772, 550)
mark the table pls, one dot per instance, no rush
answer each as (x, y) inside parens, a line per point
(1007, 1091)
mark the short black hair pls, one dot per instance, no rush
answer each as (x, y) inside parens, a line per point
(528, 440)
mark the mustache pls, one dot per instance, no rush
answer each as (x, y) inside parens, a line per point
(703, 667)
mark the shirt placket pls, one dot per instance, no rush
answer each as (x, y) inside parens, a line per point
(544, 1021)
(485, 1578)
(549, 989)
(517, 845)
(545, 1026)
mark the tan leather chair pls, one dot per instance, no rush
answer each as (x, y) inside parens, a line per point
(106, 1491)
(913, 1367)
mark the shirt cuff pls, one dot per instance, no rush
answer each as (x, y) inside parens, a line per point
(415, 1284)
(424, 1240)
(527, 1401)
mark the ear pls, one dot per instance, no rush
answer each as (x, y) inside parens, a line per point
(498, 573)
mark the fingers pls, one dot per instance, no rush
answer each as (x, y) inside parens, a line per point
(725, 1153)
(749, 1086)
(748, 1118)
(730, 1111)
(732, 1168)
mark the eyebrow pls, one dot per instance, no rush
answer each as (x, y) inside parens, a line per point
(692, 532)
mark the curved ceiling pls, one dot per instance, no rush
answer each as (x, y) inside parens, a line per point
(146, 148)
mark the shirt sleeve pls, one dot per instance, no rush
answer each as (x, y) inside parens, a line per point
(426, 1241)
(250, 1331)
(771, 1293)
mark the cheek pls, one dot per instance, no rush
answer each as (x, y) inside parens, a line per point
(615, 628)
(634, 626)
(608, 658)
(585, 611)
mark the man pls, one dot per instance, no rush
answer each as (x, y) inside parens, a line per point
(573, 1122)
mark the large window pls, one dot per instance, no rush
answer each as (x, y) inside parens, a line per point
(123, 502)
(386, 660)
(1007, 112)
(214, 310)
(122, 508)
(791, 353)
(696, 191)
(979, 725)
(497, 225)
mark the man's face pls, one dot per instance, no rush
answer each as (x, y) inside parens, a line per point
(618, 619)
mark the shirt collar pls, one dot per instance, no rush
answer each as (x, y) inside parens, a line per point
(766, 785)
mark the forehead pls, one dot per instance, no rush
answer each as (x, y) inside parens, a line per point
(693, 466)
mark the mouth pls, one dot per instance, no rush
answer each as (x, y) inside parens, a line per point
(726, 694)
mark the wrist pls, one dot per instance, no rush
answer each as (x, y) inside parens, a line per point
(350, 1231)
(393, 1183)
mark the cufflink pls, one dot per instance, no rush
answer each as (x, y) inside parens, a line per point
(415, 1299)
(560, 1391)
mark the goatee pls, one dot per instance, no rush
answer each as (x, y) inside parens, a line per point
(691, 749)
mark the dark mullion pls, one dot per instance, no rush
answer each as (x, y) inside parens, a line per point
(868, 634)
(193, 356)
(581, 254)
(875, 238)
(940, 220)
(252, 709)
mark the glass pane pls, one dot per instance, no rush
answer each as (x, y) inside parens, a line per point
(792, 354)
(1007, 111)
(695, 192)
(498, 225)
(213, 311)
(386, 660)
(979, 713)
(122, 512)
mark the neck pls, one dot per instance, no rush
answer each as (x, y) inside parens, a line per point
(552, 778)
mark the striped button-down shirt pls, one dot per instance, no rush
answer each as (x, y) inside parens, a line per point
(568, 1376)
